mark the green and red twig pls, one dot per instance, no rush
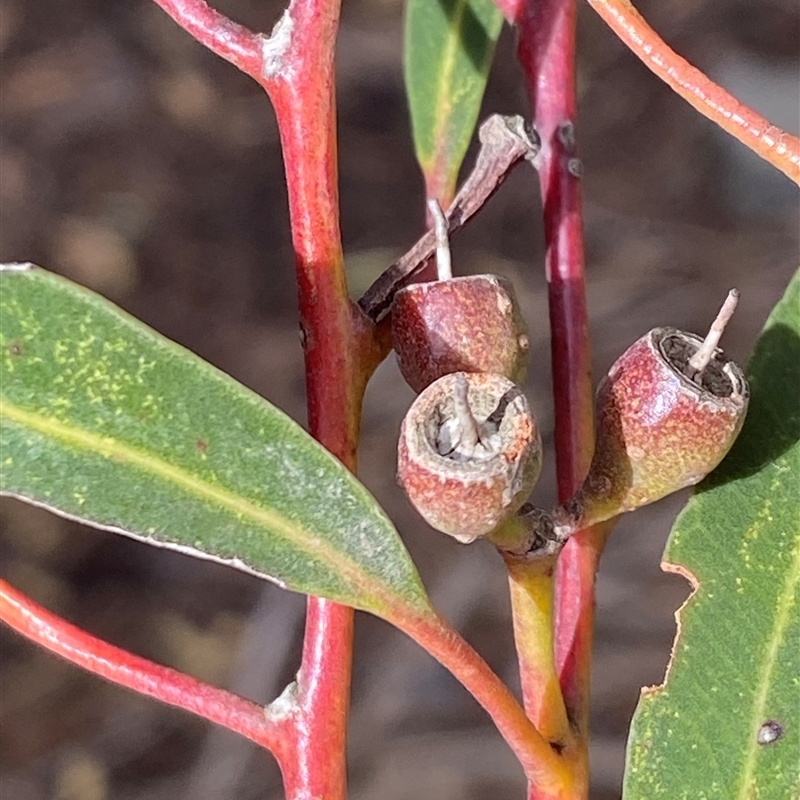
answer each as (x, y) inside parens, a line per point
(547, 56)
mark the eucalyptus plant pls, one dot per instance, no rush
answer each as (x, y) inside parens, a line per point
(105, 421)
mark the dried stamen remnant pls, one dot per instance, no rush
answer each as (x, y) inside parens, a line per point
(462, 437)
(705, 352)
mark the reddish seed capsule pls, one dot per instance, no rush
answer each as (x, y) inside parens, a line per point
(465, 324)
(469, 453)
(666, 415)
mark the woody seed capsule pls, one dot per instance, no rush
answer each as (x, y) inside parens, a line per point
(469, 453)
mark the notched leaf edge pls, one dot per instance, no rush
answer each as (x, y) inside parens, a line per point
(694, 587)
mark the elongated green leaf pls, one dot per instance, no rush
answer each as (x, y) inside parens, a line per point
(449, 47)
(726, 723)
(103, 420)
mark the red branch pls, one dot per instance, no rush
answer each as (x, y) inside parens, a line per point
(302, 92)
(222, 36)
(298, 76)
(139, 674)
(545, 770)
(547, 56)
(779, 148)
(295, 67)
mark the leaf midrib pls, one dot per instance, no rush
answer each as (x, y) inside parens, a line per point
(279, 525)
(786, 601)
(443, 103)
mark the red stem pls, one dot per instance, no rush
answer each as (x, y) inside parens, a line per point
(143, 676)
(222, 36)
(779, 148)
(317, 766)
(304, 101)
(547, 56)
(299, 79)
(545, 770)
(295, 67)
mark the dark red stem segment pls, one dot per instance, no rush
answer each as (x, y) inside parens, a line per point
(547, 56)
(779, 148)
(143, 676)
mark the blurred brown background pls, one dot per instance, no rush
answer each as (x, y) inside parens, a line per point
(139, 164)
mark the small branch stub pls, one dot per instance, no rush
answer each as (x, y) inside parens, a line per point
(469, 453)
(532, 534)
(505, 142)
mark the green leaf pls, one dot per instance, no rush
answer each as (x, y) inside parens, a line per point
(735, 668)
(105, 421)
(449, 47)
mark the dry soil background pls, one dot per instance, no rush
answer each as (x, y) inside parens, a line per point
(139, 164)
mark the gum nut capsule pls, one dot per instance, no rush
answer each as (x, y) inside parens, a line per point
(469, 453)
(662, 423)
(464, 324)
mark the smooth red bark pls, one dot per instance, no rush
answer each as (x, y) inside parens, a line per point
(547, 56)
(143, 676)
(779, 148)
(222, 36)
(544, 769)
(298, 77)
